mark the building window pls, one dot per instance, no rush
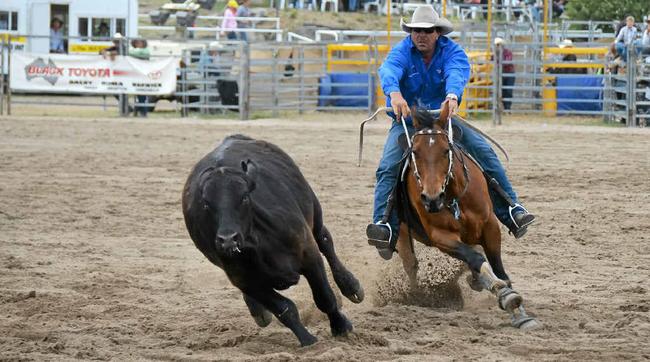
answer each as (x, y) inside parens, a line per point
(14, 20)
(120, 26)
(83, 28)
(4, 20)
(101, 28)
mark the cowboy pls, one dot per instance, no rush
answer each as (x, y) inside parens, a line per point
(425, 70)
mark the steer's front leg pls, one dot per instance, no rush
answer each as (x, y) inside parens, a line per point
(285, 311)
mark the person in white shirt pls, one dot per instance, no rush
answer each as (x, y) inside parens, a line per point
(626, 37)
(644, 47)
(57, 44)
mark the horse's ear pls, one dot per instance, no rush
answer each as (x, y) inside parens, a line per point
(444, 112)
(415, 116)
(250, 169)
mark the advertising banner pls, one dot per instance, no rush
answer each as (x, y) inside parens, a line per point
(62, 73)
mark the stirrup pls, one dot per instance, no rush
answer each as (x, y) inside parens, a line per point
(382, 239)
(512, 217)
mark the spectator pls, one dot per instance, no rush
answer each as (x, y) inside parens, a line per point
(558, 7)
(567, 43)
(103, 32)
(140, 50)
(535, 13)
(626, 37)
(507, 72)
(243, 11)
(57, 42)
(114, 50)
(644, 48)
(229, 23)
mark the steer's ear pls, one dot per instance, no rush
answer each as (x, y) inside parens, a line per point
(250, 169)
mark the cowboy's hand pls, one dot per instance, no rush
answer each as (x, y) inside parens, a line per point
(399, 105)
(453, 106)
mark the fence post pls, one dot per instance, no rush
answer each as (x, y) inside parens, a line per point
(123, 98)
(631, 85)
(2, 77)
(274, 80)
(9, 77)
(244, 82)
(301, 74)
(497, 109)
(184, 97)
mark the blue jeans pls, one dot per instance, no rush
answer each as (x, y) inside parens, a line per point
(621, 49)
(388, 171)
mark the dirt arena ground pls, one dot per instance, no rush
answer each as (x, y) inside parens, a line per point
(95, 261)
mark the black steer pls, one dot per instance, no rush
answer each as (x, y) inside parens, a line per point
(251, 212)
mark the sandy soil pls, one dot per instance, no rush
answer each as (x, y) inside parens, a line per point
(95, 261)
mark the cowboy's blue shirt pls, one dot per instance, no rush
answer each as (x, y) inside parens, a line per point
(404, 71)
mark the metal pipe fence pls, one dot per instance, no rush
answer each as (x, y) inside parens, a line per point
(224, 77)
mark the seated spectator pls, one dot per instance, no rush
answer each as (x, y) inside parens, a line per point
(626, 37)
(114, 50)
(57, 42)
(558, 7)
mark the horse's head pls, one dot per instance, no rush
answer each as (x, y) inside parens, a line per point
(225, 193)
(432, 153)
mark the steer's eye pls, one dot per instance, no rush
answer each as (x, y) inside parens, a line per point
(245, 200)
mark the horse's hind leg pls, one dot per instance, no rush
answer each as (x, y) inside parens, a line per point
(345, 280)
(262, 316)
(405, 252)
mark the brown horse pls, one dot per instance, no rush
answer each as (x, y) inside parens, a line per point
(448, 196)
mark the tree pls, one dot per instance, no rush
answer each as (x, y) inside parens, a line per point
(607, 10)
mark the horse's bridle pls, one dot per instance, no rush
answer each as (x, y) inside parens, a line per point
(449, 134)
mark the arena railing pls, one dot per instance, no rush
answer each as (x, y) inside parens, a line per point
(298, 76)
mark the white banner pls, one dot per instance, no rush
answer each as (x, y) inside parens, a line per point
(63, 73)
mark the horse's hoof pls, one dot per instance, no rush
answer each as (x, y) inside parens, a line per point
(474, 283)
(526, 323)
(509, 300)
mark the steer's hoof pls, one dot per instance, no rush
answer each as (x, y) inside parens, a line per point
(264, 319)
(350, 287)
(357, 295)
(340, 325)
(308, 340)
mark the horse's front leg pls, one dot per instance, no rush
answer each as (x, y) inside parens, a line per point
(406, 253)
(477, 264)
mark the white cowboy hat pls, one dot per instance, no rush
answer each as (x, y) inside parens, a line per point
(566, 43)
(117, 36)
(498, 41)
(425, 17)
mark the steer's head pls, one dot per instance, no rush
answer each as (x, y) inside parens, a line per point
(226, 196)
